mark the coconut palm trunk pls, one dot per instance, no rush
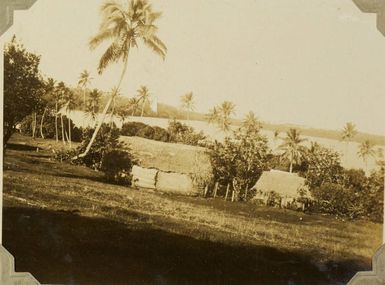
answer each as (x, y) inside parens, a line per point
(141, 114)
(104, 114)
(62, 129)
(56, 126)
(41, 123)
(69, 132)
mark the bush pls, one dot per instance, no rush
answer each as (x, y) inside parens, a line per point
(49, 130)
(181, 133)
(335, 199)
(116, 165)
(147, 132)
(131, 129)
(161, 134)
(107, 154)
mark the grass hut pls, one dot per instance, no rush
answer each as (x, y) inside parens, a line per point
(280, 188)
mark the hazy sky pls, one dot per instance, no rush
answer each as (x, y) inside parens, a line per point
(318, 63)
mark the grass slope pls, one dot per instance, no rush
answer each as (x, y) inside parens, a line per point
(64, 225)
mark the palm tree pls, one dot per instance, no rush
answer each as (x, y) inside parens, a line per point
(225, 111)
(188, 103)
(212, 115)
(348, 133)
(366, 150)
(292, 148)
(93, 104)
(84, 79)
(251, 122)
(124, 26)
(143, 97)
(61, 91)
(133, 105)
(49, 94)
(69, 105)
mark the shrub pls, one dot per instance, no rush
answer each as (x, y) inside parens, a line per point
(335, 199)
(131, 129)
(107, 154)
(181, 133)
(116, 165)
(161, 134)
(147, 132)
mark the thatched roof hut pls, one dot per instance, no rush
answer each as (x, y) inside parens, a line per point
(286, 185)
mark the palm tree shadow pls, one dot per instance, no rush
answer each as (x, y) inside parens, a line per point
(59, 247)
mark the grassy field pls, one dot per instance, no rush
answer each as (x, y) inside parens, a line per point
(65, 225)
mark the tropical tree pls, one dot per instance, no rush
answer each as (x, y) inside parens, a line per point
(133, 105)
(349, 131)
(292, 148)
(365, 151)
(61, 101)
(84, 80)
(213, 115)
(93, 104)
(251, 122)
(124, 25)
(69, 106)
(23, 86)
(49, 97)
(143, 96)
(188, 104)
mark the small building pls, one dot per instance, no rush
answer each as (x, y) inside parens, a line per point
(282, 189)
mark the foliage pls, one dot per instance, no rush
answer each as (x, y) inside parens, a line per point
(335, 199)
(322, 166)
(348, 132)
(240, 158)
(292, 149)
(221, 115)
(116, 165)
(23, 86)
(181, 133)
(49, 127)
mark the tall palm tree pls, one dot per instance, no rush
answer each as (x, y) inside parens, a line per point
(124, 25)
(84, 80)
(188, 104)
(365, 151)
(69, 106)
(61, 92)
(292, 148)
(143, 96)
(49, 95)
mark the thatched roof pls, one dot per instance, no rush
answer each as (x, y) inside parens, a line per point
(170, 157)
(284, 183)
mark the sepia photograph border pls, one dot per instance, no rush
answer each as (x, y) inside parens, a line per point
(7, 262)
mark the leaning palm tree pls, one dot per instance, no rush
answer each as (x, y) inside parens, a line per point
(124, 25)
(143, 96)
(188, 104)
(292, 148)
(84, 79)
(365, 151)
